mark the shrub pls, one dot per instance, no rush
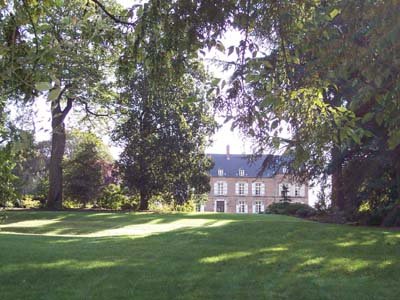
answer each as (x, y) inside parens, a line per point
(392, 218)
(3, 216)
(305, 212)
(28, 202)
(291, 209)
(70, 204)
(113, 197)
(188, 206)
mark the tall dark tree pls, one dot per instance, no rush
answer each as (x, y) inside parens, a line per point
(85, 169)
(164, 138)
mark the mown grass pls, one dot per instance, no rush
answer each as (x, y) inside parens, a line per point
(67, 255)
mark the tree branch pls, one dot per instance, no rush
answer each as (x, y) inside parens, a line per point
(90, 112)
(113, 17)
(67, 108)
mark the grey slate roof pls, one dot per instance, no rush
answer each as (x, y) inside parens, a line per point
(232, 163)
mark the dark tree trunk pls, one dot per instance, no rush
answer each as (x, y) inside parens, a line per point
(144, 201)
(55, 195)
(54, 199)
(338, 200)
(145, 177)
(396, 163)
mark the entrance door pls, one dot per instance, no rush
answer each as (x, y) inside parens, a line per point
(220, 206)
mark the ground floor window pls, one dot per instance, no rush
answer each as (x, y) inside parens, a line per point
(220, 206)
(242, 207)
(258, 207)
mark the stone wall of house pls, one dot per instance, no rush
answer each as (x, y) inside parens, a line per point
(231, 199)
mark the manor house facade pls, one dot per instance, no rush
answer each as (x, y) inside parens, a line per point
(237, 186)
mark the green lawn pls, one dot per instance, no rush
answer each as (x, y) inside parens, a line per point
(74, 255)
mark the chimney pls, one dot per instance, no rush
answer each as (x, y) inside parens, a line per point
(228, 154)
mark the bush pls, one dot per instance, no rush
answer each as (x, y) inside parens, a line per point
(387, 216)
(3, 216)
(305, 212)
(113, 197)
(392, 218)
(188, 206)
(291, 209)
(28, 202)
(70, 204)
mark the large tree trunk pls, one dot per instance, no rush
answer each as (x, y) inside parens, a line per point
(55, 195)
(54, 199)
(338, 200)
(144, 201)
(396, 163)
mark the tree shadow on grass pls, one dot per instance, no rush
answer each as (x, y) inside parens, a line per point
(244, 259)
(106, 224)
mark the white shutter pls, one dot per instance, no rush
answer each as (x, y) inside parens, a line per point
(237, 208)
(280, 189)
(246, 208)
(262, 207)
(254, 208)
(202, 208)
(302, 190)
(237, 188)
(262, 189)
(225, 188)
(253, 188)
(246, 188)
(216, 188)
(292, 188)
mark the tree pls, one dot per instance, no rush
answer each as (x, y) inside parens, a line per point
(64, 50)
(164, 138)
(85, 171)
(7, 179)
(332, 80)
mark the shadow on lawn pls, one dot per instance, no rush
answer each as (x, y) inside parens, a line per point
(242, 259)
(115, 224)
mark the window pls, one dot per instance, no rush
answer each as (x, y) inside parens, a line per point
(241, 188)
(241, 172)
(297, 191)
(220, 188)
(220, 172)
(258, 207)
(242, 207)
(257, 189)
(284, 190)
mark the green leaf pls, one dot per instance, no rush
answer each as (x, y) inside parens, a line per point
(54, 93)
(274, 124)
(215, 81)
(394, 139)
(334, 13)
(59, 3)
(43, 86)
(230, 50)
(367, 117)
(220, 47)
(268, 64)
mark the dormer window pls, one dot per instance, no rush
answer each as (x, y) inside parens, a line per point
(220, 172)
(241, 172)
